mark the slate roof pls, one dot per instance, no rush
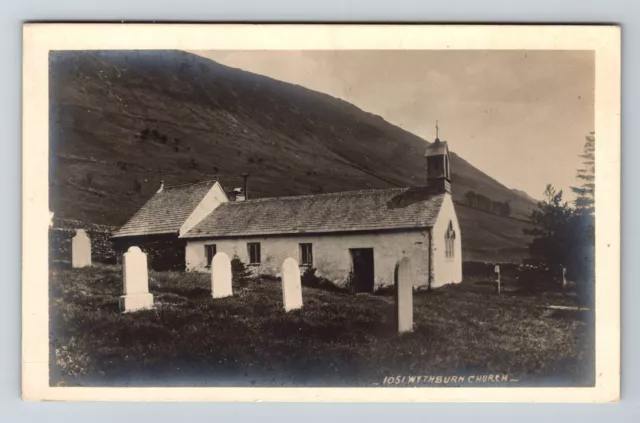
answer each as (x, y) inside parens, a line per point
(436, 148)
(368, 210)
(166, 211)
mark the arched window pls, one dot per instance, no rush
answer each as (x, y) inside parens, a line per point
(449, 242)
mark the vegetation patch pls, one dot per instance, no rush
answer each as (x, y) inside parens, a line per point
(336, 339)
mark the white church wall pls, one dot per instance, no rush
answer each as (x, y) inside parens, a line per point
(446, 270)
(331, 255)
(213, 199)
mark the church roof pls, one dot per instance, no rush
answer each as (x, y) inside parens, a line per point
(166, 211)
(352, 211)
(436, 148)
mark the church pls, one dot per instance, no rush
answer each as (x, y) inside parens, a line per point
(352, 237)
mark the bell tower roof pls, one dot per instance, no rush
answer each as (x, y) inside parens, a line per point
(437, 148)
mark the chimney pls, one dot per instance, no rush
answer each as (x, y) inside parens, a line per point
(238, 195)
(245, 190)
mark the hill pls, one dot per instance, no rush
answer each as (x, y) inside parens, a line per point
(524, 195)
(120, 122)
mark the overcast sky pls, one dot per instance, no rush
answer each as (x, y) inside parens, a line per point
(519, 116)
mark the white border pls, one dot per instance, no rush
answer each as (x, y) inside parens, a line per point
(40, 38)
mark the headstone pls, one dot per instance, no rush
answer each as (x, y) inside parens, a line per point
(221, 276)
(136, 281)
(404, 295)
(497, 270)
(564, 277)
(291, 288)
(80, 250)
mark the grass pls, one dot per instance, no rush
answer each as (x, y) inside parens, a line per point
(337, 339)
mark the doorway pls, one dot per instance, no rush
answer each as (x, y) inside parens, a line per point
(362, 259)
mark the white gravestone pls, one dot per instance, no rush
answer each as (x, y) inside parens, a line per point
(221, 276)
(404, 295)
(80, 250)
(291, 288)
(136, 281)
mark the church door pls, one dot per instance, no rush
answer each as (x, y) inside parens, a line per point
(362, 269)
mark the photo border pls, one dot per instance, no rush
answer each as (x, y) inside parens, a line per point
(39, 39)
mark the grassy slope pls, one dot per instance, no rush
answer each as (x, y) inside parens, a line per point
(336, 339)
(220, 122)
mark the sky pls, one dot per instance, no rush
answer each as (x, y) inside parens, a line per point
(519, 116)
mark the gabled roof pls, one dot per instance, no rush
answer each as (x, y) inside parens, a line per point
(436, 148)
(166, 211)
(369, 210)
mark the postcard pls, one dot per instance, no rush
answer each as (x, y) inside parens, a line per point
(375, 213)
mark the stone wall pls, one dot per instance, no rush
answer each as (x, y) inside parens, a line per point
(60, 235)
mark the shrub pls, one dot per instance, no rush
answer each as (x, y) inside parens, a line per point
(350, 284)
(385, 290)
(239, 272)
(310, 279)
(270, 277)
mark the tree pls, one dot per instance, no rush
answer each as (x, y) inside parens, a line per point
(585, 201)
(563, 237)
(582, 225)
(550, 231)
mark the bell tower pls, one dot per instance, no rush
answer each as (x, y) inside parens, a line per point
(438, 166)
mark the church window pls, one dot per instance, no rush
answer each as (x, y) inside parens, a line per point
(449, 242)
(306, 254)
(254, 252)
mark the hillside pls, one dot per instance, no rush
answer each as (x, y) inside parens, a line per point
(524, 195)
(123, 121)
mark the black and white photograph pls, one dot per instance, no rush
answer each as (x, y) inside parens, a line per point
(322, 218)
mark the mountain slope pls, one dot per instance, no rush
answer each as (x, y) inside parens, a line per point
(123, 121)
(524, 195)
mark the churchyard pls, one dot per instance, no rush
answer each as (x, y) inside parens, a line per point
(182, 330)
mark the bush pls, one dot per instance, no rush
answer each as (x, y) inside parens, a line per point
(239, 272)
(385, 290)
(532, 278)
(310, 279)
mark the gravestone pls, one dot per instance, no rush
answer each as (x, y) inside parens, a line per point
(404, 295)
(80, 250)
(221, 276)
(135, 278)
(564, 277)
(291, 288)
(497, 270)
